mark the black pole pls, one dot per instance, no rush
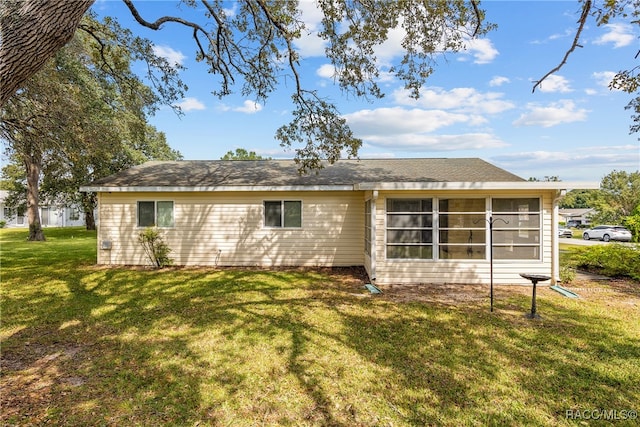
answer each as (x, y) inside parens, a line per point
(533, 299)
(491, 221)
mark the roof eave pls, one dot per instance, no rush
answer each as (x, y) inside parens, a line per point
(502, 185)
(497, 185)
(216, 188)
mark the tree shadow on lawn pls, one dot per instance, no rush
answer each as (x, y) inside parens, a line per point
(119, 346)
(66, 364)
(248, 347)
(502, 368)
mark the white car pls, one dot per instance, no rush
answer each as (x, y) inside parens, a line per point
(564, 232)
(607, 233)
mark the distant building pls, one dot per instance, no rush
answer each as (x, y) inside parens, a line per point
(50, 215)
(577, 217)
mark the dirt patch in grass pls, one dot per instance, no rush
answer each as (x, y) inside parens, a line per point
(435, 293)
(34, 377)
(617, 291)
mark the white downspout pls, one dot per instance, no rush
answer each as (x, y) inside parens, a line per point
(374, 239)
(555, 250)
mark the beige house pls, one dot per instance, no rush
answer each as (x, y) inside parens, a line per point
(404, 220)
(577, 217)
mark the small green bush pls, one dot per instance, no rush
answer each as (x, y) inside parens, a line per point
(3, 223)
(614, 260)
(567, 274)
(155, 247)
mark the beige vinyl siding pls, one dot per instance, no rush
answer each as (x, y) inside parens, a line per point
(398, 271)
(227, 229)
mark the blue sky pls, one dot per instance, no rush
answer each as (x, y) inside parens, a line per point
(478, 103)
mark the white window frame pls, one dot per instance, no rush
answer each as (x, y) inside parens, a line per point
(388, 228)
(74, 213)
(481, 226)
(499, 226)
(368, 227)
(155, 213)
(282, 214)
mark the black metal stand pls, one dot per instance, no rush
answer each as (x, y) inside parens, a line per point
(535, 278)
(491, 221)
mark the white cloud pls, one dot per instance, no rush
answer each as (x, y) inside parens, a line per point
(582, 164)
(425, 143)
(462, 99)
(620, 35)
(231, 12)
(554, 114)
(391, 47)
(326, 71)
(603, 78)
(174, 57)
(309, 44)
(555, 84)
(398, 120)
(568, 32)
(535, 156)
(190, 104)
(248, 107)
(499, 81)
(412, 125)
(412, 129)
(482, 50)
(376, 155)
(329, 72)
(619, 157)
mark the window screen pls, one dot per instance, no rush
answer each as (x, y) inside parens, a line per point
(283, 213)
(517, 228)
(154, 213)
(410, 228)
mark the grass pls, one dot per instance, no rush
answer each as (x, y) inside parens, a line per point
(87, 345)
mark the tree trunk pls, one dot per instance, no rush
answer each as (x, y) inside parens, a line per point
(33, 166)
(32, 31)
(89, 219)
(89, 205)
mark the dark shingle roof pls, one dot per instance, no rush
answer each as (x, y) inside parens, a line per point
(200, 173)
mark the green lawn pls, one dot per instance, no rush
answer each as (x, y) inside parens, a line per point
(87, 345)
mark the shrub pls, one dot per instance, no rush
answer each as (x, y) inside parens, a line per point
(3, 223)
(632, 222)
(567, 274)
(155, 247)
(613, 260)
